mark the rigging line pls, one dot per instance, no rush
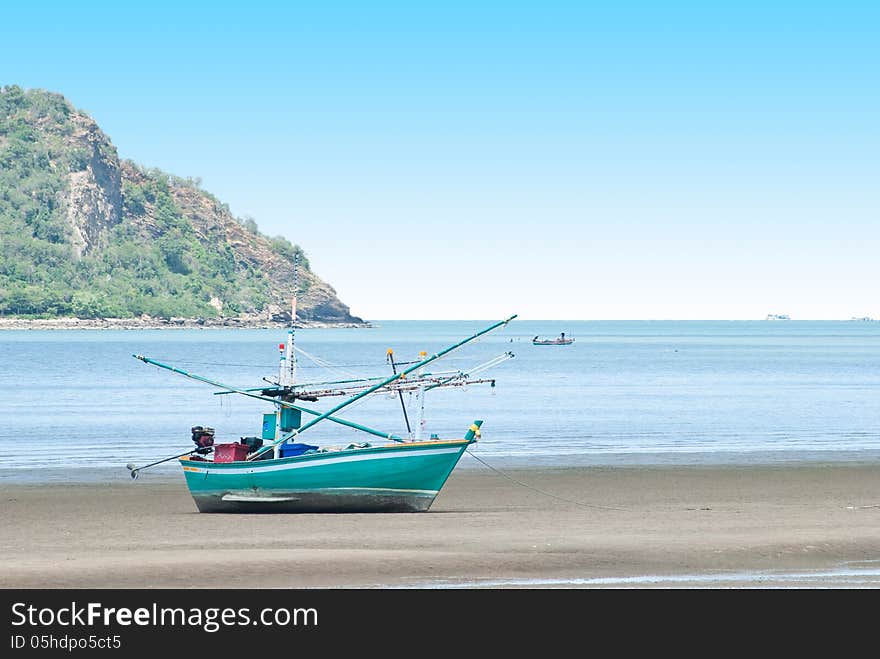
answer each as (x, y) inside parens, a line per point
(553, 496)
(320, 364)
(479, 368)
(184, 361)
(315, 358)
(384, 383)
(260, 366)
(324, 363)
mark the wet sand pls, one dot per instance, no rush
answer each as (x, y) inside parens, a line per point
(617, 527)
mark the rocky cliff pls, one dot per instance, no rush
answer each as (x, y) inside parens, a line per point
(85, 234)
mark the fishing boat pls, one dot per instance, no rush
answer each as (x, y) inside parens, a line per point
(561, 340)
(276, 472)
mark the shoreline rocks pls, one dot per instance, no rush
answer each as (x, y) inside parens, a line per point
(147, 322)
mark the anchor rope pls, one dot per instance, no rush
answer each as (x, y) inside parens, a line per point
(535, 489)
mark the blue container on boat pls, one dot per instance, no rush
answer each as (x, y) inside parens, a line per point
(288, 450)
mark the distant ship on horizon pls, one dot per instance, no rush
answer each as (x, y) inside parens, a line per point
(867, 319)
(778, 316)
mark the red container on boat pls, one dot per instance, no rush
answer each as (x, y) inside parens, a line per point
(230, 452)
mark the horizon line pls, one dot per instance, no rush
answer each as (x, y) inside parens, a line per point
(637, 320)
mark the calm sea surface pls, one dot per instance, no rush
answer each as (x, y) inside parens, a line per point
(626, 392)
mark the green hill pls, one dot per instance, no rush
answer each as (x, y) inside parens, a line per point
(83, 233)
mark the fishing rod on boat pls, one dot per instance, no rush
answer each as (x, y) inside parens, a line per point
(399, 392)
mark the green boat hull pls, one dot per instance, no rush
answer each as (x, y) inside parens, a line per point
(397, 478)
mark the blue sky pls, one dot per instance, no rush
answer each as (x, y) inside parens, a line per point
(568, 160)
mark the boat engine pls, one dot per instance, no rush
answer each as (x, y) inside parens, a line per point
(203, 438)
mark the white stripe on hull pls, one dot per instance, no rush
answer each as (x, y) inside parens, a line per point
(406, 453)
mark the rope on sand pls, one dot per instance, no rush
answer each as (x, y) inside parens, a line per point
(535, 489)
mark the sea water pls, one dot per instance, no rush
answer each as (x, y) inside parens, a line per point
(626, 392)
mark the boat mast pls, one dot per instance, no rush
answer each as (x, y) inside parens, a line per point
(291, 355)
(287, 363)
(420, 426)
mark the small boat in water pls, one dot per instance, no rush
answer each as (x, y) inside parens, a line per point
(277, 473)
(561, 340)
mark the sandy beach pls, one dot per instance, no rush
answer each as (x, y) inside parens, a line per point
(694, 526)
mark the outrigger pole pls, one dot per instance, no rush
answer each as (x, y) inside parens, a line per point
(326, 415)
(245, 392)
